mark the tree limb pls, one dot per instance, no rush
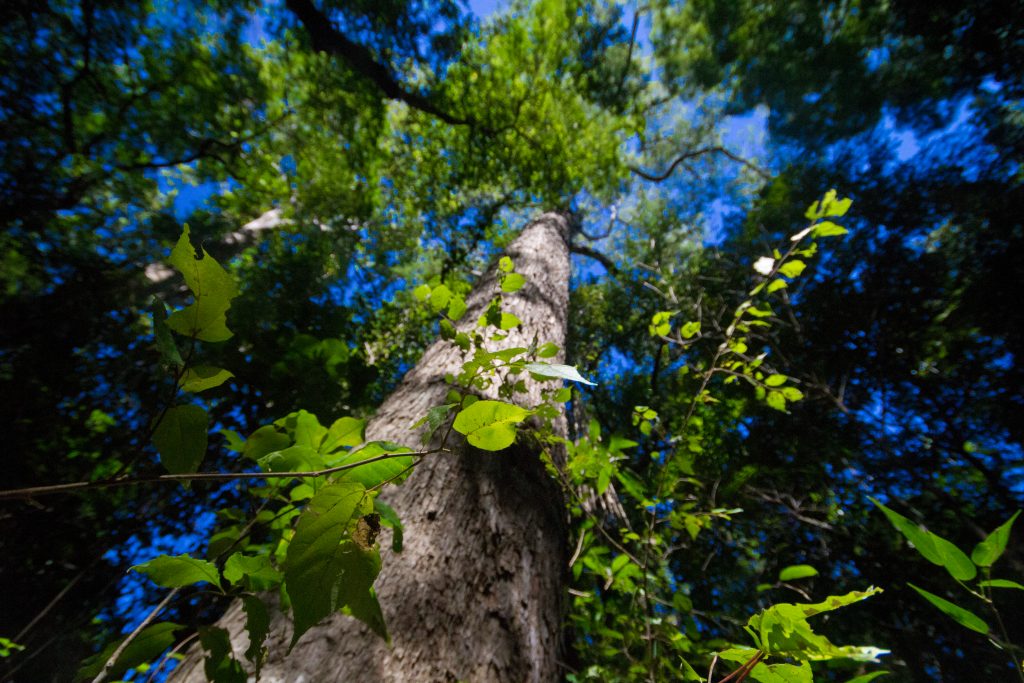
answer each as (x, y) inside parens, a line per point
(583, 250)
(718, 149)
(327, 39)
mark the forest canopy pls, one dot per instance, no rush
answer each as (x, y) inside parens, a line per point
(558, 340)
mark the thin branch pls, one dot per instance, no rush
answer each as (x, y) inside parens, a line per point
(686, 156)
(629, 53)
(49, 606)
(108, 667)
(608, 264)
(327, 39)
(197, 476)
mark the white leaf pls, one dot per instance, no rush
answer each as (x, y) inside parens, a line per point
(764, 265)
(558, 371)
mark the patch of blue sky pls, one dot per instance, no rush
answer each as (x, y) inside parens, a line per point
(135, 592)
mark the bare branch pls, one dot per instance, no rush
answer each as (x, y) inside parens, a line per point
(197, 476)
(686, 156)
(608, 264)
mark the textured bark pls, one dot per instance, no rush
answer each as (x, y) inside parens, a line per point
(476, 594)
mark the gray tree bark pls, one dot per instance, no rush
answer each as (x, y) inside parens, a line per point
(477, 593)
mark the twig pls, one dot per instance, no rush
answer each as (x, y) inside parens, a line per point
(197, 476)
(109, 666)
(49, 606)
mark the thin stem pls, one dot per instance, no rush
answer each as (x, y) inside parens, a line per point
(1006, 639)
(197, 476)
(166, 658)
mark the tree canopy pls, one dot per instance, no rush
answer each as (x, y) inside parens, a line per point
(788, 377)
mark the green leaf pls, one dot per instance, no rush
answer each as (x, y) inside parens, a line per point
(233, 440)
(457, 307)
(365, 607)
(690, 329)
(792, 268)
(513, 282)
(490, 425)
(162, 335)
(434, 418)
(505, 264)
(439, 298)
(146, 646)
(792, 393)
(508, 321)
(782, 673)
(292, 459)
(304, 428)
(422, 293)
(932, 547)
(797, 571)
(776, 399)
(257, 625)
(776, 284)
(1001, 583)
(213, 289)
(395, 469)
(346, 432)
(558, 371)
(775, 380)
(203, 377)
(547, 350)
(867, 678)
(688, 672)
(323, 572)
(828, 229)
(661, 323)
(830, 205)
(389, 518)
(263, 441)
(219, 666)
(988, 551)
(958, 614)
(258, 569)
(782, 630)
(178, 571)
(181, 438)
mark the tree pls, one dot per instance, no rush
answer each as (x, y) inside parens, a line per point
(754, 388)
(476, 592)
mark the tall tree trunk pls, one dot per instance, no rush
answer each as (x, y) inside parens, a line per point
(476, 594)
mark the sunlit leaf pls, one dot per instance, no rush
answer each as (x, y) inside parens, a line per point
(1001, 583)
(322, 570)
(513, 282)
(178, 571)
(392, 469)
(345, 432)
(932, 547)
(557, 371)
(797, 571)
(490, 425)
(989, 550)
(213, 289)
(203, 377)
(964, 617)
